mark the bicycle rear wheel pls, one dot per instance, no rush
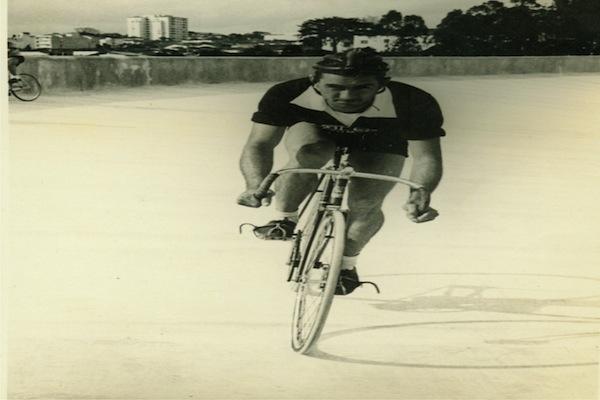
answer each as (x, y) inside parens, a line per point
(27, 89)
(316, 288)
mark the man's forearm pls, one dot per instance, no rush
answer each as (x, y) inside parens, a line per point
(427, 171)
(256, 163)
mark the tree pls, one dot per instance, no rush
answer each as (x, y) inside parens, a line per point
(394, 23)
(531, 4)
(333, 29)
(390, 23)
(585, 12)
(580, 21)
(452, 35)
(259, 50)
(410, 35)
(407, 29)
(292, 50)
(488, 9)
(407, 46)
(516, 30)
(258, 35)
(413, 25)
(494, 29)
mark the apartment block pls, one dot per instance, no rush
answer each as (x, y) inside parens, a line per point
(47, 41)
(73, 41)
(157, 27)
(138, 27)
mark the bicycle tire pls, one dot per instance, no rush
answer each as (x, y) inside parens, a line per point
(322, 263)
(29, 88)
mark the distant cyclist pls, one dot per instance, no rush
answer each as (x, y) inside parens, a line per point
(349, 100)
(14, 60)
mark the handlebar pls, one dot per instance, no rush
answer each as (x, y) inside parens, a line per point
(346, 173)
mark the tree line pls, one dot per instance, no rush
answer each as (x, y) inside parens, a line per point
(522, 28)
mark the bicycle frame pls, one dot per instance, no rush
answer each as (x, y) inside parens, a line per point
(332, 194)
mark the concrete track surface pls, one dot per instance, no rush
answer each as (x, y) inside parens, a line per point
(125, 276)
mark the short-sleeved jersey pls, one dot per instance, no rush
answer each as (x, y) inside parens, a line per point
(399, 113)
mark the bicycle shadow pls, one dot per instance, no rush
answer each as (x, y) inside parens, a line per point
(462, 298)
(472, 298)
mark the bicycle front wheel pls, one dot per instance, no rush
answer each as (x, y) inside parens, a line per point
(316, 287)
(27, 89)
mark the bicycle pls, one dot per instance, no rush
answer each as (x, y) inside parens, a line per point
(26, 88)
(318, 244)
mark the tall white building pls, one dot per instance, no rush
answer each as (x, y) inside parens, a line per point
(138, 27)
(156, 27)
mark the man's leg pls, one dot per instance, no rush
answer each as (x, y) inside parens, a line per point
(307, 149)
(366, 197)
(12, 67)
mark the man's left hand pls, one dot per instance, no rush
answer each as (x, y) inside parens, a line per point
(417, 207)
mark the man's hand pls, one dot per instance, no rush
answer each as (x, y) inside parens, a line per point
(248, 199)
(417, 207)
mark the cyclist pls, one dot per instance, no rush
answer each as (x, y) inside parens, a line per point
(14, 60)
(348, 100)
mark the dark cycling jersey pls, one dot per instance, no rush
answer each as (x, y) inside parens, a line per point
(398, 114)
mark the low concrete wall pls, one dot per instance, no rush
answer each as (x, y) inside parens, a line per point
(85, 73)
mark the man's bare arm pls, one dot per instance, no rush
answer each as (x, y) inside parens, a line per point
(257, 159)
(427, 162)
(427, 169)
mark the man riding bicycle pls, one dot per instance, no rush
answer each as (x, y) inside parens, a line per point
(14, 60)
(348, 101)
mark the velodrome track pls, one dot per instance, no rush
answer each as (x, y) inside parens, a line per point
(125, 277)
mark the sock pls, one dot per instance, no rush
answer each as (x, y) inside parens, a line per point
(349, 262)
(292, 215)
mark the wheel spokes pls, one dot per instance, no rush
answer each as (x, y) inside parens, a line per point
(313, 284)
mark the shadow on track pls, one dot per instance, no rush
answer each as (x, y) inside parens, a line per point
(456, 298)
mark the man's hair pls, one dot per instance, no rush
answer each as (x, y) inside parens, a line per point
(354, 62)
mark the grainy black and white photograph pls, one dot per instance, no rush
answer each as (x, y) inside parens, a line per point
(359, 199)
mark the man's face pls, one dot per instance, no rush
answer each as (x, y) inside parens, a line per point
(348, 94)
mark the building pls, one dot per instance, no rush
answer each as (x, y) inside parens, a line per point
(116, 42)
(77, 41)
(341, 46)
(23, 41)
(282, 37)
(157, 27)
(47, 41)
(138, 27)
(71, 41)
(168, 27)
(380, 43)
(392, 43)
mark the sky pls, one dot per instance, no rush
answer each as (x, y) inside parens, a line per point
(219, 16)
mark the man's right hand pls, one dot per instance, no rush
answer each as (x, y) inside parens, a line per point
(248, 199)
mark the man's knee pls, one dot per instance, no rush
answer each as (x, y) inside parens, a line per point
(365, 206)
(307, 146)
(314, 155)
